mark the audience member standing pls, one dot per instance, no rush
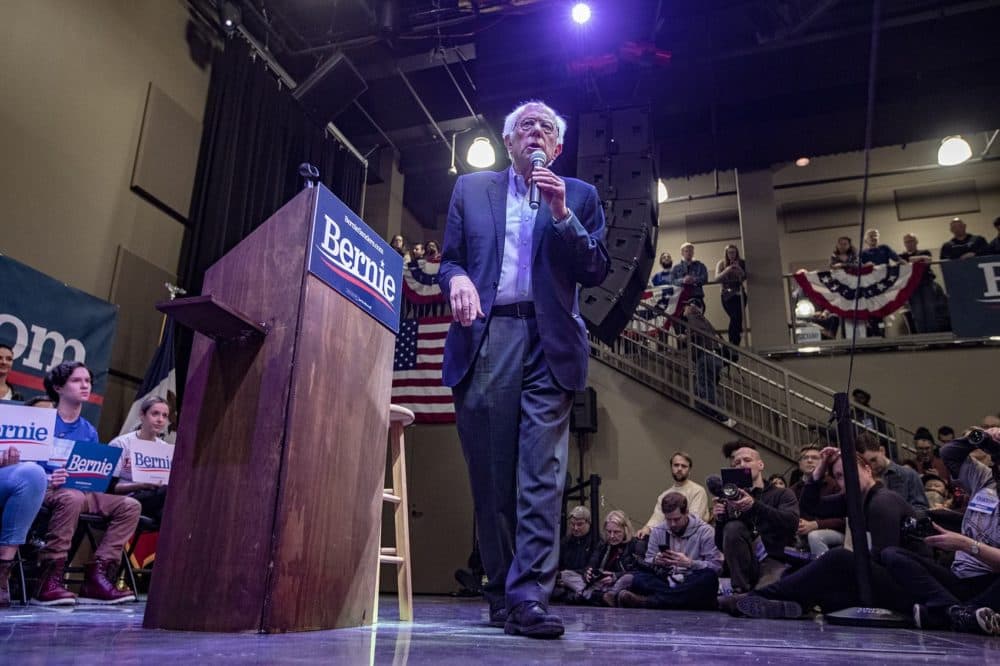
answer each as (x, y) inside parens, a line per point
(844, 255)
(731, 272)
(994, 246)
(928, 304)
(663, 277)
(691, 272)
(875, 253)
(962, 245)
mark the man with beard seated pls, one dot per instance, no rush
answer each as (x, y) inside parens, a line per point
(682, 562)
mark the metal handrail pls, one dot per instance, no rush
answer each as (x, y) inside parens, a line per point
(778, 409)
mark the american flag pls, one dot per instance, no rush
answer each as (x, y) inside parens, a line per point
(416, 370)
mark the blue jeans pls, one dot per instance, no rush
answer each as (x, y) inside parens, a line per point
(22, 487)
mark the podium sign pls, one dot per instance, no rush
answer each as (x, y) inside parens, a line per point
(347, 255)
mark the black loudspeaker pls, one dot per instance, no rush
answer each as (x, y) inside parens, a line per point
(596, 170)
(583, 416)
(330, 89)
(593, 135)
(631, 244)
(633, 177)
(630, 131)
(607, 313)
(631, 214)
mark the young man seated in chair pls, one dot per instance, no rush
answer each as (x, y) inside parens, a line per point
(68, 384)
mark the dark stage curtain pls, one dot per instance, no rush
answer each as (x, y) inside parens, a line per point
(255, 136)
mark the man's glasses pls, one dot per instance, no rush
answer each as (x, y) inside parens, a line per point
(528, 124)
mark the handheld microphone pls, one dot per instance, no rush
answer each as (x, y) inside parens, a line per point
(534, 198)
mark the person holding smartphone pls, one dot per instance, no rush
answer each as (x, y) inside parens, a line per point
(964, 597)
(682, 563)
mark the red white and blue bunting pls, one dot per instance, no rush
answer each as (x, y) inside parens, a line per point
(884, 289)
(421, 282)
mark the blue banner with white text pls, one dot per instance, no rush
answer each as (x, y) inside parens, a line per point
(46, 322)
(347, 255)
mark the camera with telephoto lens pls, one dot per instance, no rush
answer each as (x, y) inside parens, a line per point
(918, 526)
(976, 437)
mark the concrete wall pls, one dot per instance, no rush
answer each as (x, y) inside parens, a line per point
(926, 388)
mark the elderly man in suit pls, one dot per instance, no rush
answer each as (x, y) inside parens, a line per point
(516, 352)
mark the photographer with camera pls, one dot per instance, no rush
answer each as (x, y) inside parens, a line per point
(830, 582)
(682, 563)
(753, 525)
(964, 597)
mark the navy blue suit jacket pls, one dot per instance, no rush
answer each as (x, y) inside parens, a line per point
(564, 256)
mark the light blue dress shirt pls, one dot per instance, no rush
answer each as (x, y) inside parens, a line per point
(515, 271)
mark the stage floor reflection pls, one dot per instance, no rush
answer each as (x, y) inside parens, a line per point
(453, 631)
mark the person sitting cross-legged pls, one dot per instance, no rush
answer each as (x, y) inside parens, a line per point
(682, 561)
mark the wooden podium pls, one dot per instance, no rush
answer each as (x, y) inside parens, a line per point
(272, 522)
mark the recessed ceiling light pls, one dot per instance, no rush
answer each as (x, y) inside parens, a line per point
(802, 161)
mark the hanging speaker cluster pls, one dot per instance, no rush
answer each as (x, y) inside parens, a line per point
(615, 154)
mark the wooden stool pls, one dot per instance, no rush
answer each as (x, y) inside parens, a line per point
(399, 418)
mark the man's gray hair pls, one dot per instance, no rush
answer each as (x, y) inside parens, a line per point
(511, 119)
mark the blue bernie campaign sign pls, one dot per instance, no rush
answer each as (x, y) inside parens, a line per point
(347, 255)
(90, 465)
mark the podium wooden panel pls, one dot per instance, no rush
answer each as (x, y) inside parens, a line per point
(272, 521)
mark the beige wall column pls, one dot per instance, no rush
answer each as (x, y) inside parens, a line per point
(384, 201)
(761, 247)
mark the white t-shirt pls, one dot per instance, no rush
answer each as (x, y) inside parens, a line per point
(124, 442)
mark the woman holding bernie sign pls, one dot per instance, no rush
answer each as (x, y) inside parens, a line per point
(144, 442)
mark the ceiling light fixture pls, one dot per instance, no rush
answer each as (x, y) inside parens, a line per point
(231, 17)
(802, 162)
(481, 153)
(661, 191)
(581, 13)
(954, 150)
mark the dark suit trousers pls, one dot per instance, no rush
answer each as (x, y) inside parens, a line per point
(513, 420)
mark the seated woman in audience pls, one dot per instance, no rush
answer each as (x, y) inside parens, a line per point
(612, 563)
(7, 391)
(154, 416)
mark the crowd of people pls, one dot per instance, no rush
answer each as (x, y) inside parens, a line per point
(769, 547)
(34, 498)
(927, 310)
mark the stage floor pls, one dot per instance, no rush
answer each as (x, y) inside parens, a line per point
(451, 631)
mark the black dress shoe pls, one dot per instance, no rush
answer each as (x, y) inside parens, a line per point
(532, 620)
(498, 617)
